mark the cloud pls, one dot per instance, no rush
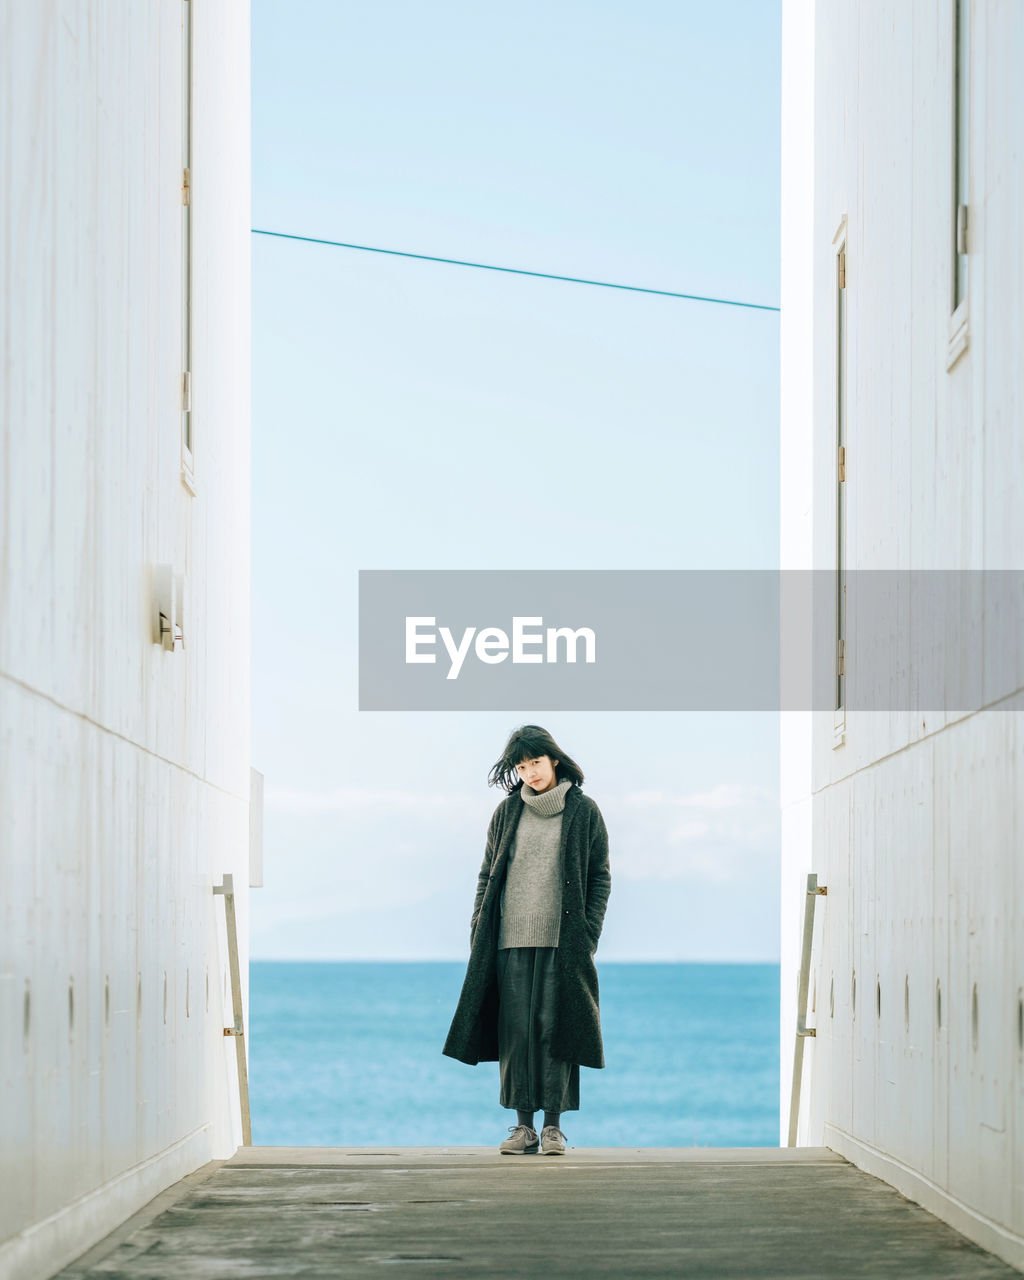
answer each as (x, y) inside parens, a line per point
(367, 848)
(383, 848)
(720, 836)
(726, 795)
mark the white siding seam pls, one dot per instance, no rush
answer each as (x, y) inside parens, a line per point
(130, 742)
(868, 768)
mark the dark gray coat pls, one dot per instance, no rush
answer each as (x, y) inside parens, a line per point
(586, 884)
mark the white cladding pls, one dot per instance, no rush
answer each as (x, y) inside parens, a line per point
(913, 821)
(124, 774)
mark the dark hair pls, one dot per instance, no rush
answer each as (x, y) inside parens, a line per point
(524, 743)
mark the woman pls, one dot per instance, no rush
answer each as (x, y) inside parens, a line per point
(530, 996)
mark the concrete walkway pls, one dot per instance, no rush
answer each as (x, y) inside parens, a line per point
(713, 1213)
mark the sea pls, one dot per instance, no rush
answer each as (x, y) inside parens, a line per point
(349, 1054)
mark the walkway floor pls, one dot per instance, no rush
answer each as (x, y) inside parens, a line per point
(689, 1213)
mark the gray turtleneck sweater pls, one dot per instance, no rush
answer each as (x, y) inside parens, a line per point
(531, 901)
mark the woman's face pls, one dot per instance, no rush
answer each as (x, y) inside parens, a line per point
(538, 772)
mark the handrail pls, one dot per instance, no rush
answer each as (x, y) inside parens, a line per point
(238, 1030)
(802, 1029)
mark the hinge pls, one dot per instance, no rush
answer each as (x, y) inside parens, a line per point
(186, 391)
(961, 228)
(842, 268)
(842, 463)
(841, 658)
(186, 186)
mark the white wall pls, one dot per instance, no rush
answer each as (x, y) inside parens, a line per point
(796, 505)
(124, 774)
(916, 818)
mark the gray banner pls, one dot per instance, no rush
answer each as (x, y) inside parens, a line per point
(689, 640)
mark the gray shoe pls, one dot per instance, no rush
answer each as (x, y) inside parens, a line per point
(554, 1141)
(523, 1141)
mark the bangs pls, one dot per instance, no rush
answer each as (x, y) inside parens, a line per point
(529, 742)
(526, 746)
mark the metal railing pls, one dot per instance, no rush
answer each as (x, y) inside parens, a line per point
(814, 890)
(238, 1030)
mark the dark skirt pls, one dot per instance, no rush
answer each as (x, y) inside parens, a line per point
(531, 1079)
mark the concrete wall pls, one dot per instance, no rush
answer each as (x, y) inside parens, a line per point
(124, 767)
(912, 820)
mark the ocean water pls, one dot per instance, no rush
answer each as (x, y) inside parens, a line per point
(349, 1054)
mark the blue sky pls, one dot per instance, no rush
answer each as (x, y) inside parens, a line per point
(413, 415)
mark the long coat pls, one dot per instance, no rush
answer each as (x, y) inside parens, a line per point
(586, 884)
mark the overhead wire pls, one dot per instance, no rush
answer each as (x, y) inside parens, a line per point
(516, 271)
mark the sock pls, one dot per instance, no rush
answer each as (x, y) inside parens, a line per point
(525, 1117)
(552, 1118)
